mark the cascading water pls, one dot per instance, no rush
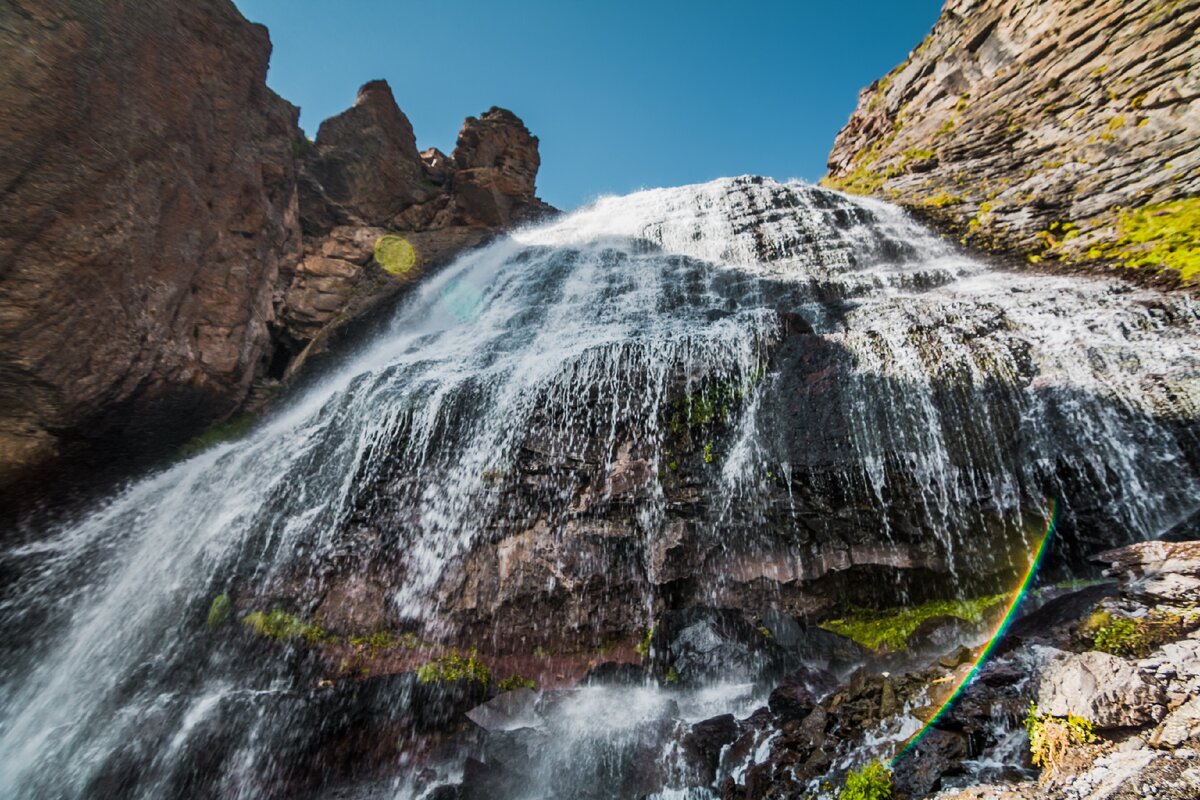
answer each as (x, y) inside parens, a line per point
(742, 394)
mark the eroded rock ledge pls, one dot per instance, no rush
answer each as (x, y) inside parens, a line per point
(1065, 131)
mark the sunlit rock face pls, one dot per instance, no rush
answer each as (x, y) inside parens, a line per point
(1058, 130)
(742, 395)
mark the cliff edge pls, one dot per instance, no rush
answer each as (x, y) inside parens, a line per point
(1063, 131)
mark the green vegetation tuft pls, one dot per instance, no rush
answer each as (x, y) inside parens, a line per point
(1134, 638)
(454, 667)
(643, 647)
(872, 782)
(513, 682)
(1051, 737)
(1161, 235)
(941, 200)
(890, 628)
(672, 675)
(282, 626)
(227, 431)
(219, 611)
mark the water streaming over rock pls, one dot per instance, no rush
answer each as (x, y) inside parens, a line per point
(742, 394)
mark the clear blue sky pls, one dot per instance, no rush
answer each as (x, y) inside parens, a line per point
(623, 95)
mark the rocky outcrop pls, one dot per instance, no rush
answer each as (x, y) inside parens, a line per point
(153, 272)
(1057, 130)
(147, 210)
(363, 180)
(1101, 688)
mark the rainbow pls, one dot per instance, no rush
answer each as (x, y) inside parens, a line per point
(1009, 615)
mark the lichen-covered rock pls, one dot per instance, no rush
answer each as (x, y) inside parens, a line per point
(147, 212)
(1054, 129)
(1108, 691)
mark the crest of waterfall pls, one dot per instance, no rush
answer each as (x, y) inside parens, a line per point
(769, 381)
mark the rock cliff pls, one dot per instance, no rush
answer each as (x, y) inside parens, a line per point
(147, 209)
(170, 242)
(1059, 130)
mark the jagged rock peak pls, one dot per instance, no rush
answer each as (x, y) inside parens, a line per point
(1056, 129)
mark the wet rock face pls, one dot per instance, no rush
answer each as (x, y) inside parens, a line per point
(148, 208)
(1035, 126)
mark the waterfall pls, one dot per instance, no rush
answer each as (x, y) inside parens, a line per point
(738, 394)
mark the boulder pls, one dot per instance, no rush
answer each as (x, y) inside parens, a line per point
(704, 644)
(1108, 691)
(1156, 571)
(919, 771)
(703, 744)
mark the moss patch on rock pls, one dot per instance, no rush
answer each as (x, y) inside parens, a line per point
(227, 431)
(872, 782)
(1159, 235)
(282, 626)
(1050, 738)
(455, 667)
(889, 629)
(219, 611)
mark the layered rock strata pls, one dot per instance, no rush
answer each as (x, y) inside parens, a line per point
(1063, 131)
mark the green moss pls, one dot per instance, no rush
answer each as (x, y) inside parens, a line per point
(454, 667)
(382, 641)
(227, 431)
(219, 611)
(516, 682)
(1051, 737)
(860, 180)
(1161, 235)
(872, 782)
(1128, 637)
(708, 452)
(672, 675)
(282, 626)
(941, 200)
(890, 628)
(643, 647)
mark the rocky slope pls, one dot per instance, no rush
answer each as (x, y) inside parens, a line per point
(153, 270)
(1057, 130)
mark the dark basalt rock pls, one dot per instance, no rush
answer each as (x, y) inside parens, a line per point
(919, 772)
(702, 746)
(702, 644)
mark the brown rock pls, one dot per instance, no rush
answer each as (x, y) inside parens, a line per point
(147, 211)
(1164, 571)
(365, 168)
(497, 161)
